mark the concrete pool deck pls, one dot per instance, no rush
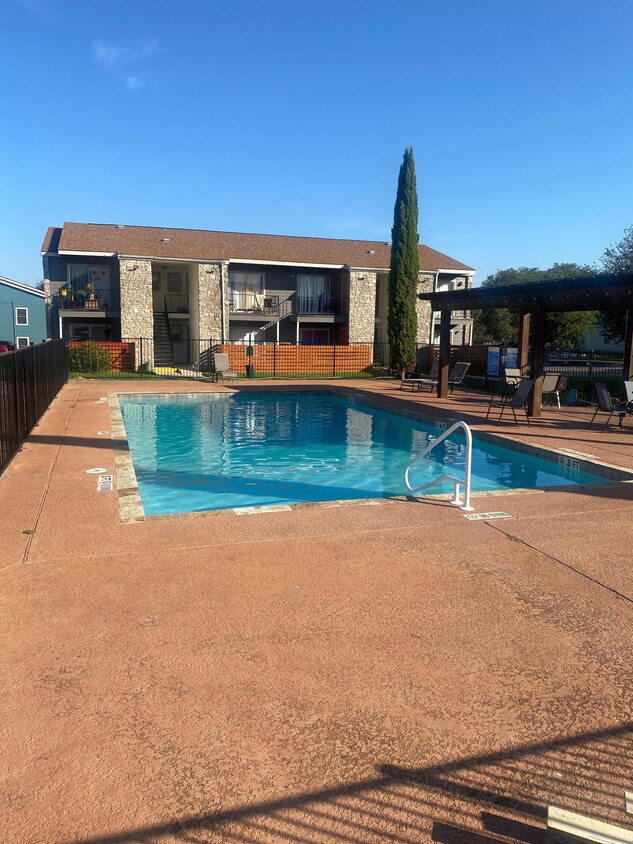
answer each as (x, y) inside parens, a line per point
(362, 673)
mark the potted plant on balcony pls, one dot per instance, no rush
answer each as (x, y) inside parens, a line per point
(92, 299)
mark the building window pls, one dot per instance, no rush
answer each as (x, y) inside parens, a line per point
(21, 342)
(81, 275)
(174, 282)
(247, 291)
(313, 294)
(155, 281)
(314, 336)
(22, 316)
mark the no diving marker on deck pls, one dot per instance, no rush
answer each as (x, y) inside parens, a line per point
(105, 483)
(97, 471)
(478, 517)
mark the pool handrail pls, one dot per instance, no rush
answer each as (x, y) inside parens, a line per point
(457, 482)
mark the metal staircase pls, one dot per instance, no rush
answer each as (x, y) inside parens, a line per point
(163, 350)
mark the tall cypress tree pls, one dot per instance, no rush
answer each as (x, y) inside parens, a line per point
(403, 273)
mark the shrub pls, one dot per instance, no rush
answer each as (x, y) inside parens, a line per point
(89, 357)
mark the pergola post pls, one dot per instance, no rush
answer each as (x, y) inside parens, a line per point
(445, 353)
(627, 368)
(537, 358)
(524, 341)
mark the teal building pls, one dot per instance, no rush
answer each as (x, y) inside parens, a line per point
(22, 313)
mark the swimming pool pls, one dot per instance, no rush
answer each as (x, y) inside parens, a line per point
(208, 451)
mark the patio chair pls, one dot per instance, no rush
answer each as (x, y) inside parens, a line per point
(456, 376)
(605, 405)
(551, 388)
(518, 400)
(429, 381)
(561, 387)
(222, 368)
(512, 376)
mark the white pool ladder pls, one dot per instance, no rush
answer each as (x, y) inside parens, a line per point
(457, 483)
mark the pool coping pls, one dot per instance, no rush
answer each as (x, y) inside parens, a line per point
(131, 506)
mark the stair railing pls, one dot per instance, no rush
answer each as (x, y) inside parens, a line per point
(457, 482)
(171, 342)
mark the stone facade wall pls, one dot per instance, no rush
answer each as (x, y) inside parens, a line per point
(362, 306)
(227, 297)
(206, 278)
(423, 309)
(137, 312)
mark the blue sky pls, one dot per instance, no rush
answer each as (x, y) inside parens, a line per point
(291, 117)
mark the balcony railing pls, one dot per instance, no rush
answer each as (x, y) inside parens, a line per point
(324, 305)
(177, 303)
(261, 303)
(253, 303)
(83, 300)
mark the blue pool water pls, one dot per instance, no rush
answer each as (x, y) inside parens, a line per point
(205, 452)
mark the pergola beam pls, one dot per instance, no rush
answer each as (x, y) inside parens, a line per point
(524, 341)
(590, 293)
(537, 359)
(445, 353)
(628, 346)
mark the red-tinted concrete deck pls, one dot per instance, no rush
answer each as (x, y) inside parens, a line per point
(356, 674)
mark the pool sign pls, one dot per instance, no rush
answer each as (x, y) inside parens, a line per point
(492, 367)
(512, 358)
(568, 467)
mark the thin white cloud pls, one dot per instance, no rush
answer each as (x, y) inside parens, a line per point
(36, 8)
(126, 63)
(362, 227)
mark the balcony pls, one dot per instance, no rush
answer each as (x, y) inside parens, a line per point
(317, 306)
(257, 304)
(177, 303)
(67, 298)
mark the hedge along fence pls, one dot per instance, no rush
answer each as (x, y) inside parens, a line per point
(90, 357)
(273, 360)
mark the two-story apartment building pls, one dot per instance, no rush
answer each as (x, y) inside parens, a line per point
(113, 282)
(22, 314)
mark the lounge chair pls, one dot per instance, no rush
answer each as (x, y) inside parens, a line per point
(429, 381)
(456, 376)
(605, 405)
(222, 368)
(518, 400)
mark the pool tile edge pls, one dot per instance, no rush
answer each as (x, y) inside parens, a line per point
(129, 497)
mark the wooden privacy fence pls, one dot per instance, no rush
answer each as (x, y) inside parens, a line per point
(279, 360)
(30, 378)
(476, 356)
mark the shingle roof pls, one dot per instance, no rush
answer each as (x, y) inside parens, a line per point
(26, 288)
(194, 244)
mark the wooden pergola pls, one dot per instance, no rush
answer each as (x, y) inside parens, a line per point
(533, 302)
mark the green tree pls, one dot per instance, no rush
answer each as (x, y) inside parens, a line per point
(403, 273)
(563, 329)
(616, 259)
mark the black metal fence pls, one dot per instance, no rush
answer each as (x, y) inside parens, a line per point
(143, 357)
(30, 378)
